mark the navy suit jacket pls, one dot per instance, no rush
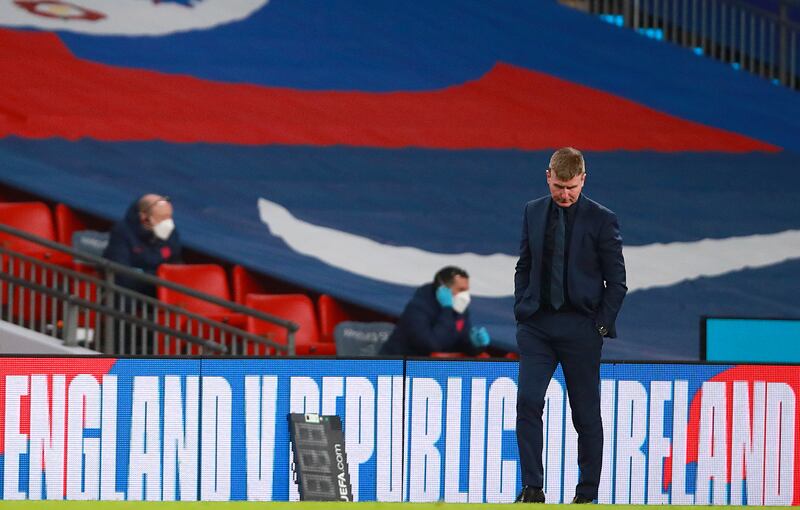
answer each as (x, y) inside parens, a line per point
(595, 269)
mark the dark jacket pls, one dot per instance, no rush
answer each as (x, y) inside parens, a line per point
(426, 327)
(133, 245)
(595, 269)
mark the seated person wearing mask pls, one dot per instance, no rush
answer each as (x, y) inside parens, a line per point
(437, 319)
(144, 239)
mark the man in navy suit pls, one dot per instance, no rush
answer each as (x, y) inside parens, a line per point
(569, 285)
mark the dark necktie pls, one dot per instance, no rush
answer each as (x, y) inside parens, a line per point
(557, 273)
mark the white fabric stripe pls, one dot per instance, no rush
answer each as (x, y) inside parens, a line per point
(648, 266)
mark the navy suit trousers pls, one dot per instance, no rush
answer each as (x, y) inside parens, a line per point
(546, 339)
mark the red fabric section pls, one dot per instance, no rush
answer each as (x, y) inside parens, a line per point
(47, 92)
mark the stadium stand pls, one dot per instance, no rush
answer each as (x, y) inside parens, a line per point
(757, 36)
(326, 158)
(79, 303)
(368, 153)
(38, 311)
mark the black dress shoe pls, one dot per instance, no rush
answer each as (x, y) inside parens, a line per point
(530, 494)
(582, 500)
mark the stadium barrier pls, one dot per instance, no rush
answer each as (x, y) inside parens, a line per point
(416, 430)
(759, 37)
(71, 295)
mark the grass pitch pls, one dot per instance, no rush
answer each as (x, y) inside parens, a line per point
(180, 505)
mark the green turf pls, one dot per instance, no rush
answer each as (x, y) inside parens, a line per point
(131, 505)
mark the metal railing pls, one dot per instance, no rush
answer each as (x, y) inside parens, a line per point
(748, 37)
(72, 295)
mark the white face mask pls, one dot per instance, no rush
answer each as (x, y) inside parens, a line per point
(163, 229)
(461, 301)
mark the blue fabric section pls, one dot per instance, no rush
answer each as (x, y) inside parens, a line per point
(383, 46)
(185, 3)
(441, 201)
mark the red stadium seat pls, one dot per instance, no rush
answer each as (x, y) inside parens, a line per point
(207, 278)
(297, 308)
(67, 222)
(244, 283)
(34, 218)
(448, 355)
(170, 345)
(455, 355)
(330, 314)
